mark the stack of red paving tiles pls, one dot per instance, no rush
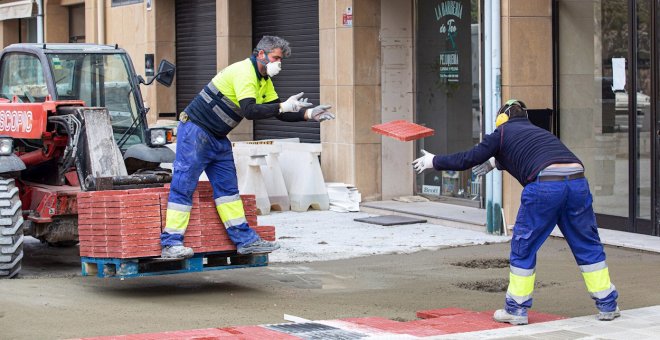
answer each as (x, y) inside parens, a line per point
(402, 130)
(119, 224)
(133, 219)
(206, 232)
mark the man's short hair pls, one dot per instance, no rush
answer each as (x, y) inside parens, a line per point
(517, 111)
(271, 42)
(514, 108)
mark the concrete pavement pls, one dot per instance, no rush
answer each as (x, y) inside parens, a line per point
(448, 323)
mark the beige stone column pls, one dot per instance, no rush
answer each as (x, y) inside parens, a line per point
(160, 40)
(398, 97)
(526, 70)
(234, 43)
(91, 21)
(350, 81)
(9, 32)
(56, 22)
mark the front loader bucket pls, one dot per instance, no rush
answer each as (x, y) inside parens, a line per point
(103, 158)
(100, 162)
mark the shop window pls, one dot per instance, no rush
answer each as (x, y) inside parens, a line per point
(448, 91)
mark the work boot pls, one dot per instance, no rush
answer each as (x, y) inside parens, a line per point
(609, 316)
(502, 315)
(176, 252)
(258, 246)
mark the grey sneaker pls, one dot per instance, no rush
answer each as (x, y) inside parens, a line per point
(258, 246)
(502, 315)
(176, 252)
(609, 316)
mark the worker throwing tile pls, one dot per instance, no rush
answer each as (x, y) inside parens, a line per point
(555, 192)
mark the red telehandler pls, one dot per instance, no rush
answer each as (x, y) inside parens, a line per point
(72, 119)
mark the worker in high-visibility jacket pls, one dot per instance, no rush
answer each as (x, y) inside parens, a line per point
(555, 193)
(241, 90)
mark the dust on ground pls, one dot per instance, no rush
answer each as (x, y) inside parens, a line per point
(51, 299)
(483, 263)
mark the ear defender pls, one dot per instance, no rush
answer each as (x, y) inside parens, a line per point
(504, 116)
(501, 119)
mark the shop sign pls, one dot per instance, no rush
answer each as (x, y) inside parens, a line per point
(432, 190)
(447, 13)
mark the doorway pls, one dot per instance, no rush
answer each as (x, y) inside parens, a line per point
(605, 86)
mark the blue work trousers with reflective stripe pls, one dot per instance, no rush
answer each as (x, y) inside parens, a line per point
(198, 151)
(568, 204)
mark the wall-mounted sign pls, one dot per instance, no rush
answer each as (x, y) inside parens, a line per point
(148, 3)
(347, 17)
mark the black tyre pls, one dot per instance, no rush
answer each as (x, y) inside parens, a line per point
(11, 229)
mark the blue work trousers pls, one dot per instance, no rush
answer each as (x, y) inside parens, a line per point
(198, 151)
(567, 204)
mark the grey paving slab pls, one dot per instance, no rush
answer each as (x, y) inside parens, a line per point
(628, 335)
(390, 220)
(637, 324)
(559, 335)
(624, 239)
(450, 212)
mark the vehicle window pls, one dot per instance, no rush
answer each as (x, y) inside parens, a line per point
(64, 77)
(100, 80)
(23, 77)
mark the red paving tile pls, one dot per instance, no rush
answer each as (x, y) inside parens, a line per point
(433, 322)
(197, 334)
(460, 323)
(402, 130)
(396, 327)
(258, 332)
(434, 313)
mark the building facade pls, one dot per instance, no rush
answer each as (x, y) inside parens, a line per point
(425, 61)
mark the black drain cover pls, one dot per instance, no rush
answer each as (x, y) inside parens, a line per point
(315, 331)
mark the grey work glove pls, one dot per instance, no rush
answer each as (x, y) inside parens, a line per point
(484, 168)
(319, 113)
(295, 103)
(424, 162)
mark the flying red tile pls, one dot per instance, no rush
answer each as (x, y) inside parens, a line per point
(402, 130)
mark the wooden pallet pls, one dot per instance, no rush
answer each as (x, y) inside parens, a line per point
(151, 266)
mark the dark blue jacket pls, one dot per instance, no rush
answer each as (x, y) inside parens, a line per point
(519, 147)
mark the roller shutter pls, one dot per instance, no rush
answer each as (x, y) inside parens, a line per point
(298, 22)
(196, 60)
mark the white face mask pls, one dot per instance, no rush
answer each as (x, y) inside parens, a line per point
(273, 68)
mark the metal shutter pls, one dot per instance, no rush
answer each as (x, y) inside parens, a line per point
(196, 61)
(298, 22)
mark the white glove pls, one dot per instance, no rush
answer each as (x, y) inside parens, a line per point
(319, 113)
(484, 168)
(295, 103)
(424, 162)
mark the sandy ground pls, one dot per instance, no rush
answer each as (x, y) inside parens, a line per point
(51, 300)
